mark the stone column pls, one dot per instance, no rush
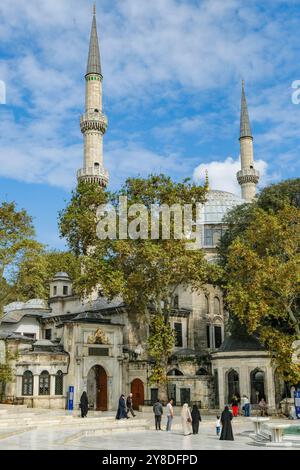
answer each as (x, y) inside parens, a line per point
(221, 378)
(244, 380)
(36, 381)
(52, 385)
(270, 388)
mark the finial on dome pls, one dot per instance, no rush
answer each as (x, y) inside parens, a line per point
(206, 186)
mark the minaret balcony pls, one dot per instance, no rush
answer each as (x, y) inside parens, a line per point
(93, 121)
(94, 175)
(248, 175)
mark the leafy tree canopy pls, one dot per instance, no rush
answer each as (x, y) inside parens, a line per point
(261, 260)
(146, 273)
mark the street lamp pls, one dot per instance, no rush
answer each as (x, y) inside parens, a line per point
(257, 395)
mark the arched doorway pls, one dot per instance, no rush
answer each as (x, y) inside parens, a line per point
(137, 390)
(257, 378)
(97, 388)
(233, 384)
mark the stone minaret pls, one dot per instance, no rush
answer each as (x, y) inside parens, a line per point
(247, 177)
(93, 122)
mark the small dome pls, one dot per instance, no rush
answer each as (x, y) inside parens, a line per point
(61, 276)
(235, 343)
(217, 205)
(13, 306)
(36, 304)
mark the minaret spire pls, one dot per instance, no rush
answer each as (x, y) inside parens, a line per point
(245, 128)
(94, 62)
(247, 177)
(93, 122)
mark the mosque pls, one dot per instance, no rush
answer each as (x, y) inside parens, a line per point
(96, 345)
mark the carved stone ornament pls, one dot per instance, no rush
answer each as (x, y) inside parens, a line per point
(98, 338)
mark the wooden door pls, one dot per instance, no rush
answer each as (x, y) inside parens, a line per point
(101, 383)
(137, 390)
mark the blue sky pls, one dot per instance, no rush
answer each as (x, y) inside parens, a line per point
(172, 82)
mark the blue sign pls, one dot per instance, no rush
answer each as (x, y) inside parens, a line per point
(71, 398)
(297, 403)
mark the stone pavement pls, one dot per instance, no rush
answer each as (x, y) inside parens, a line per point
(103, 432)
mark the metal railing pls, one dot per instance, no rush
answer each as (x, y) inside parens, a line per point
(11, 400)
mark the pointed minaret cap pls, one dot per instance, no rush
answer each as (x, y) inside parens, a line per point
(245, 128)
(94, 62)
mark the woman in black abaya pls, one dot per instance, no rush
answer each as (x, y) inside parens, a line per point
(121, 413)
(196, 418)
(226, 417)
(84, 405)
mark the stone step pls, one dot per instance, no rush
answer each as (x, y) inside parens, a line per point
(57, 420)
(114, 427)
(14, 432)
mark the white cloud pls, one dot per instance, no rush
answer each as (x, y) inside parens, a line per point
(222, 174)
(150, 50)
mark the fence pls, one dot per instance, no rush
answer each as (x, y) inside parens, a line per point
(11, 400)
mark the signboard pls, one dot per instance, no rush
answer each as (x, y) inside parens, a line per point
(2, 352)
(71, 398)
(297, 403)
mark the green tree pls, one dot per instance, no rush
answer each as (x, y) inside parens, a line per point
(37, 269)
(261, 260)
(277, 196)
(146, 273)
(16, 238)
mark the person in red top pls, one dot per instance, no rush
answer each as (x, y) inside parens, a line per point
(235, 406)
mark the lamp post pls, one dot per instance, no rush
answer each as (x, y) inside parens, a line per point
(257, 395)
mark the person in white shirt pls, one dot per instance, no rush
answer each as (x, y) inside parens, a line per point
(170, 414)
(218, 425)
(246, 405)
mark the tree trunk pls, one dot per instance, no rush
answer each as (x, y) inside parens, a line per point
(163, 392)
(294, 321)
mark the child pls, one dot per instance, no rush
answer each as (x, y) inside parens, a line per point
(218, 425)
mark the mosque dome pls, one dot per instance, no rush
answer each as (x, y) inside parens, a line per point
(217, 204)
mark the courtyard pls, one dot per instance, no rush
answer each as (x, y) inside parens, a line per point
(27, 429)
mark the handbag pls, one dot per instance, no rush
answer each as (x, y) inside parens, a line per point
(189, 420)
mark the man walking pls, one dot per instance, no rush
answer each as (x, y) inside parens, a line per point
(129, 405)
(170, 414)
(158, 412)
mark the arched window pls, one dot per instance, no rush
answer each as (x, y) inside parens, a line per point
(59, 383)
(218, 335)
(174, 372)
(44, 385)
(233, 385)
(201, 371)
(206, 305)
(217, 306)
(257, 379)
(27, 383)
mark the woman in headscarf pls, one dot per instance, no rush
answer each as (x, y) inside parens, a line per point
(196, 418)
(186, 419)
(121, 413)
(84, 405)
(226, 417)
